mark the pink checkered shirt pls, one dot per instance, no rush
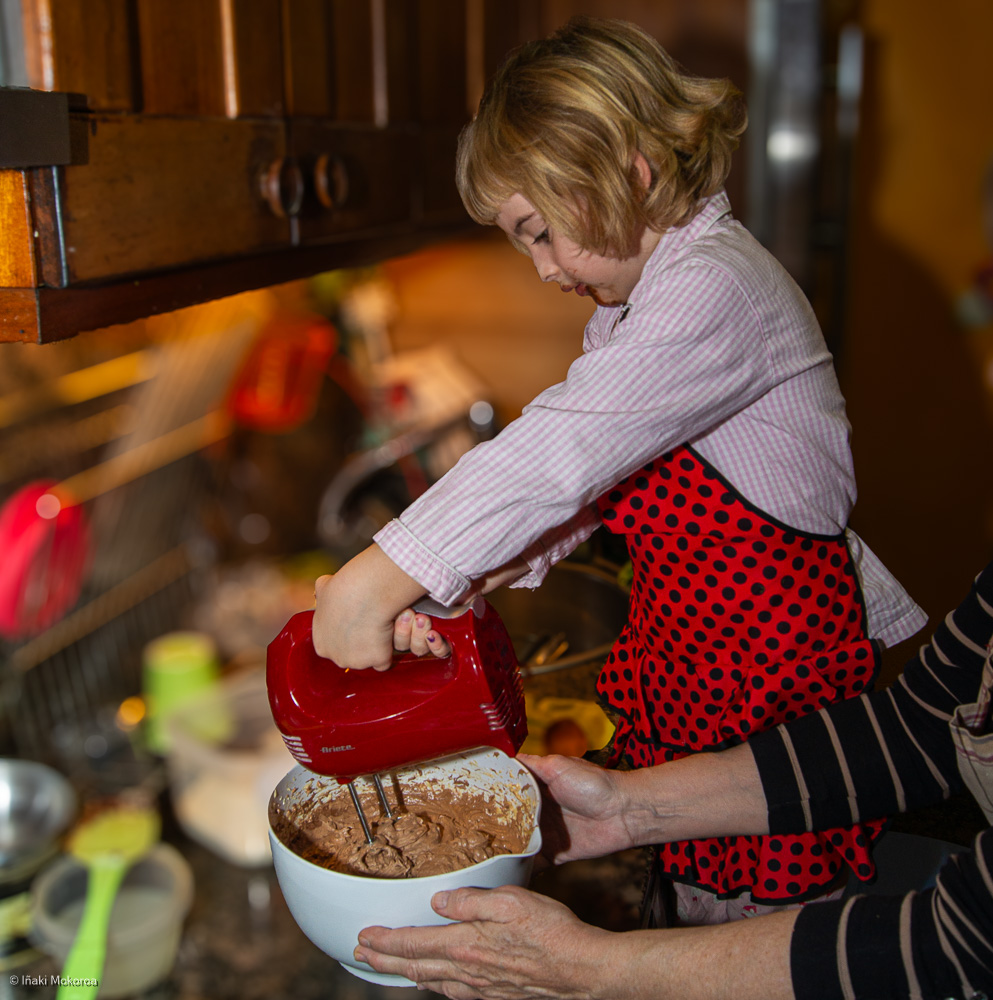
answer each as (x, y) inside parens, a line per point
(716, 347)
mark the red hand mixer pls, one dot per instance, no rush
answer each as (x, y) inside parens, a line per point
(348, 723)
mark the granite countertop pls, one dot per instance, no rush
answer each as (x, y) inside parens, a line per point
(240, 942)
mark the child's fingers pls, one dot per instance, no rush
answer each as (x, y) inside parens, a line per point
(424, 639)
(419, 635)
(414, 632)
(437, 645)
(402, 627)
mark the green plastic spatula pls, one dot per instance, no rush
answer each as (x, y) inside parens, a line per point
(108, 844)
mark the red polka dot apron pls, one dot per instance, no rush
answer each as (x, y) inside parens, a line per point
(736, 623)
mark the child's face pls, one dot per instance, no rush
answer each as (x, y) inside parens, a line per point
(609, 281)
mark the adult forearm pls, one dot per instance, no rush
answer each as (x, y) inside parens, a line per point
(739, 961)
(705, 795)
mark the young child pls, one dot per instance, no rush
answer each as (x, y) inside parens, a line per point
(703, 422)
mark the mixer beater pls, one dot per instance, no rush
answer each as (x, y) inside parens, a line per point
(350, 723)
(383, 803)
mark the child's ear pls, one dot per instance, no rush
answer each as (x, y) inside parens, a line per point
(642, 170)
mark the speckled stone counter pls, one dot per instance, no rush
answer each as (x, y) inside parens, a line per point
(241, 943)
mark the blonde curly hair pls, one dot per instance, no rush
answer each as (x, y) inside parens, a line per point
(564, 117)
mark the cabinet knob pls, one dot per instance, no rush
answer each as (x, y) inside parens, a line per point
(282, 187)
(330, 180)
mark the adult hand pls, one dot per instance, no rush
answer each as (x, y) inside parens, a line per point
(513, 944)
(510, 944)
(588, 811)
(583, 812)
(414, 632)
(355, 609)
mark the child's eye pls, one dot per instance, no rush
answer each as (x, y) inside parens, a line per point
(542, 237)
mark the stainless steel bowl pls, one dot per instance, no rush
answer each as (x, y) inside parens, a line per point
(37, 804)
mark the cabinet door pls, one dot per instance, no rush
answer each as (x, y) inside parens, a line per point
(349, 76)
(210, 57)
(157, 193)
(228, 138)
(308, 47)
(82, 47)
(460, 45)
(17, 259)
(443, 104)
(358, 180)
(353, 61)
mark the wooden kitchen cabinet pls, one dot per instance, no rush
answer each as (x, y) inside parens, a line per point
(157, 193)
(218, 145)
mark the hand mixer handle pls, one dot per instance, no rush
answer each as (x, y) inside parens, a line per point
(448, 623)
(439, 614)
(351, 722)
(429, 606)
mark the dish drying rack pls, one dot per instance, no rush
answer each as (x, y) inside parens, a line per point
(125, 437)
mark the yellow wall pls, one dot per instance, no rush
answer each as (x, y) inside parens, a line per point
(921, 411)
(937, 128)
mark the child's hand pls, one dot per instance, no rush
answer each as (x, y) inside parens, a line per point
(356, 608)
(413, 631)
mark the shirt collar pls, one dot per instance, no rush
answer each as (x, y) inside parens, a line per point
(713, 209)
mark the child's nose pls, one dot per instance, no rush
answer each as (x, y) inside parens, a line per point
(546, 268)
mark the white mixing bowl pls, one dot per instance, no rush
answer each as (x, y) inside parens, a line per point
(331, 908)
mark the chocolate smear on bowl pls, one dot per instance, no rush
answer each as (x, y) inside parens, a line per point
(437, 828)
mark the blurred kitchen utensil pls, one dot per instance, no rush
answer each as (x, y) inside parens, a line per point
(278, 384)
(45, 540)
(107, 844)
(224, 757)
(37, 805)
(546, 651)
(176, 668)
(145, 925)
(570, 621)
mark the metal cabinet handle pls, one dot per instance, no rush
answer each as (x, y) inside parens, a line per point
(282, 187)
(330, 180)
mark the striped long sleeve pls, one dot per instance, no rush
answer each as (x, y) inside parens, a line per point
(887, 752)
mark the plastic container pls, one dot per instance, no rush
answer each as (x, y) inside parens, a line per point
(178, 667)
(145, 925)
(225, 755)
(331, 907)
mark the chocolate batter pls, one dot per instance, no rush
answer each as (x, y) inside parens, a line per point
(435, 830)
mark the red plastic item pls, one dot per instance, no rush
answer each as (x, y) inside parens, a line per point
(277, 387)
(347, 723)
(45, 541)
